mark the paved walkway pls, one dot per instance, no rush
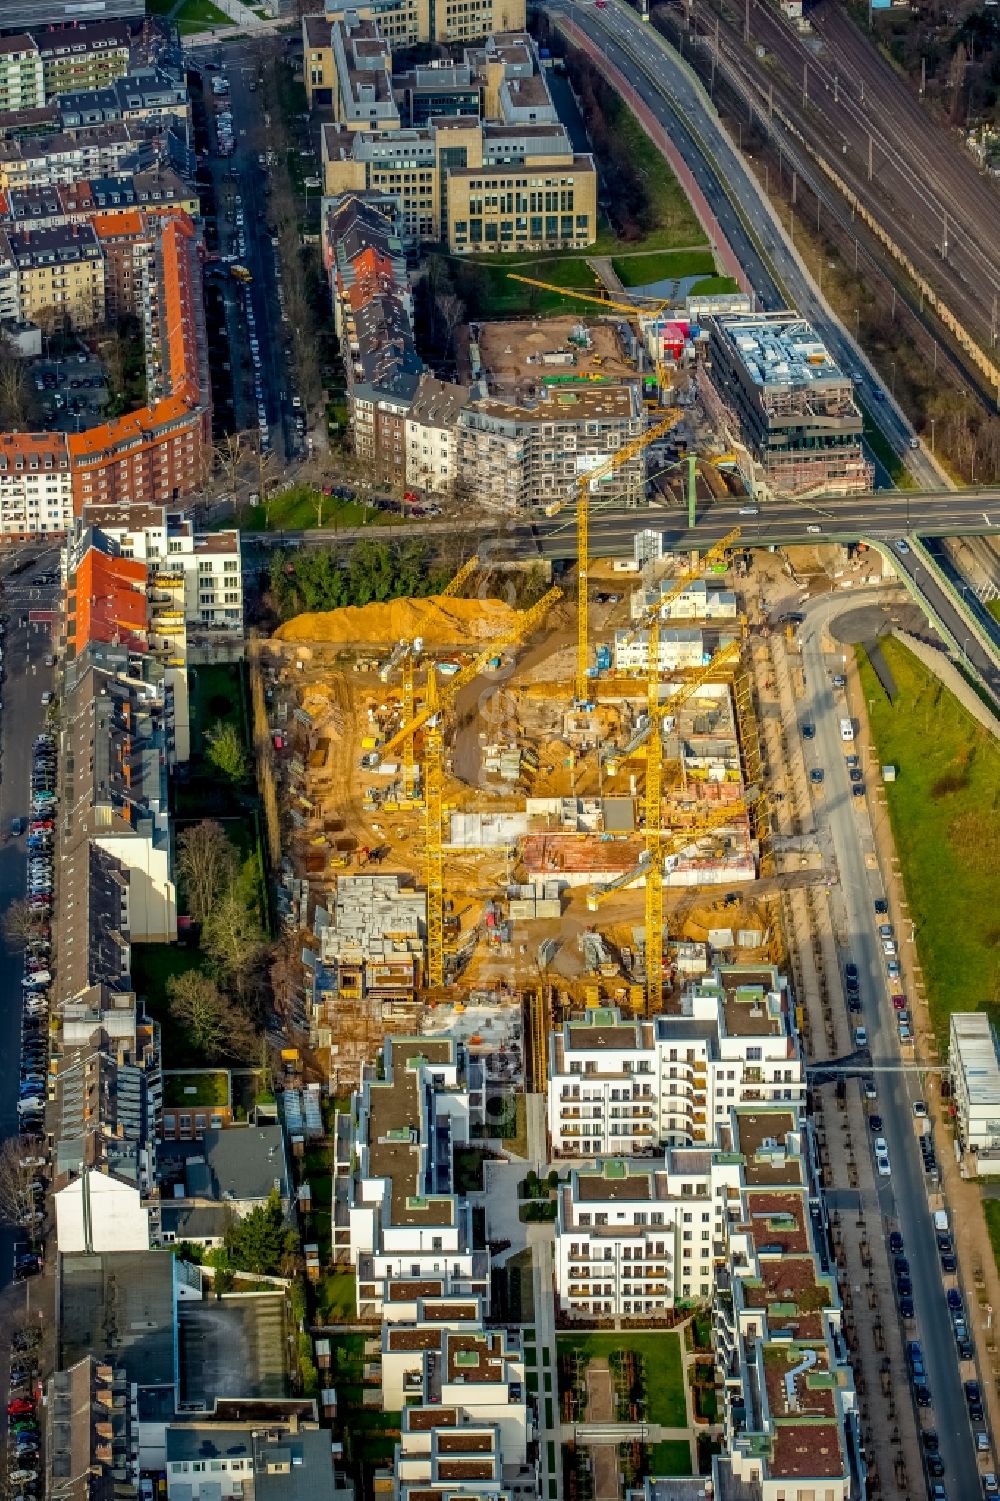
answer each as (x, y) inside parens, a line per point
(602, 268)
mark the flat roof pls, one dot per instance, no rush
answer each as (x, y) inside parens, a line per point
(119, 1306)
(780, 350)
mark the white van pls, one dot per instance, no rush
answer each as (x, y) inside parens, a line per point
(846, 729)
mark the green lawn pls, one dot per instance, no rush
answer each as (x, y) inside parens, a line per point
(638, 270)
(993, 605)
(216, 692)
(485, 286)
(199, 15)
(676, 221)
(181, 1089)
(991, 1209)
(153, 964)
(671, 1457)
(335, 1298)
(945, 812)
(664, 1370)
(882, 449)
(713, 286)
(300, 509)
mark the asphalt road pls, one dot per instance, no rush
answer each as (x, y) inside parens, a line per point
(773, 268)
(903, 1196)
(239, 62)
(26, 678)
(888, 515)
(943, 601)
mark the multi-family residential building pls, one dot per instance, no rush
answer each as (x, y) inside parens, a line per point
(158, 453)
(146, 94)
(36, 484)
(276, 1460)
(128, 242)
(624, 1087)
(153, 455)
(431, 441)
(108, 1099)
(96, 151)
(465, 1403)
(511, 457)
(117, 744)
(157, 192)
(974, 1069)
(86, 55)
(401, 1220)
(205, 566)
(54, 277)
(91, 1442)
(22, 76)
(703, 1187)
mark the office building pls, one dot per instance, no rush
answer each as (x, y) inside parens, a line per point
(788, 406)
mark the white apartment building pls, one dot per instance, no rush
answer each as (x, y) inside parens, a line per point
(36, 486)
(634, 1239)
(431, 439)
(394, 1174)
(696, 601)
(975, 1081)
(479, 1372)
(680, 647)
(627, 1088)
(209, 563)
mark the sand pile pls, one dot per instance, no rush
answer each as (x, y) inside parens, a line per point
(441, 622)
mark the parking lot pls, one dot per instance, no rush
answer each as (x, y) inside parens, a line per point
(70, 393)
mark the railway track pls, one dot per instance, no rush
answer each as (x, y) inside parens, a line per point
(858, 117)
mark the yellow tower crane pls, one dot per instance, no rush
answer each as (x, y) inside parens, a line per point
(714, 554)
(654, 815)
(633, 308)
(583, 489)
(466, 571)
(430, 719)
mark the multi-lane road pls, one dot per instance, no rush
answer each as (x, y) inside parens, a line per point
(885, 516)
(774, 270)
(903, 1197)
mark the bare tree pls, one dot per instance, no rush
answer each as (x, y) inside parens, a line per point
(17, 1198)
(214, 1024)
(20, 925)
(232, 937)
(14, 390)
(207, 863)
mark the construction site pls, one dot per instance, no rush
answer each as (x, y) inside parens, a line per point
(458, 823)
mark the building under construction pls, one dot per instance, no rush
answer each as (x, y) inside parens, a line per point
(789, 404)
